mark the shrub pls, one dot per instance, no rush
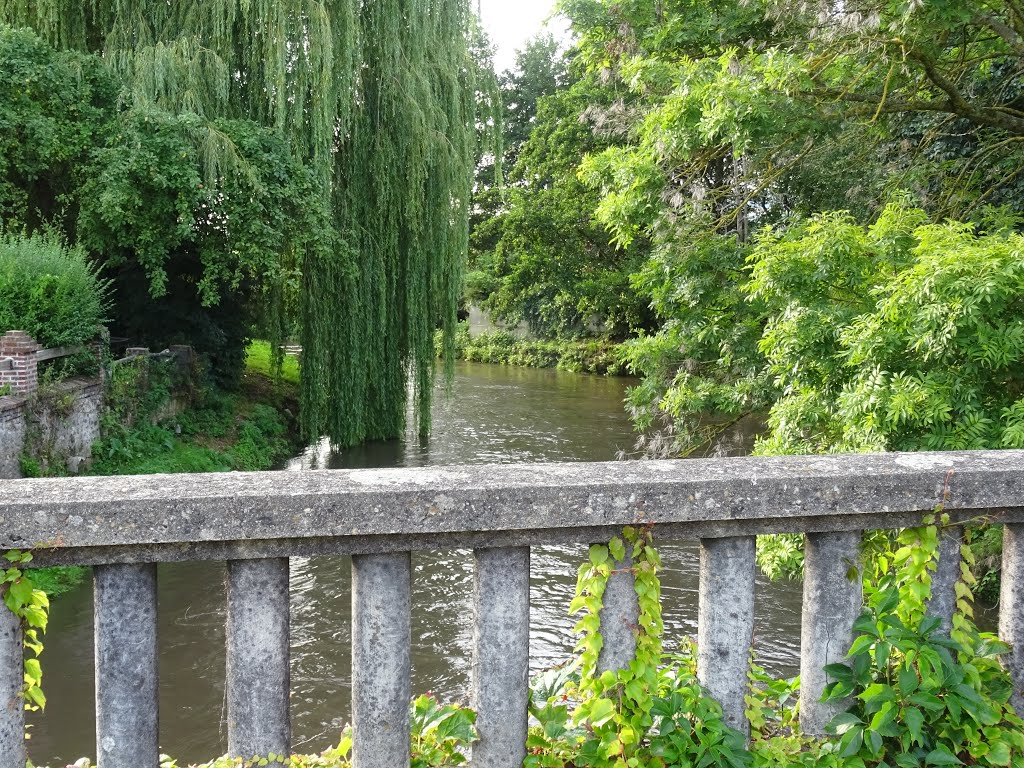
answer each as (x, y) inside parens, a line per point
(49, 291)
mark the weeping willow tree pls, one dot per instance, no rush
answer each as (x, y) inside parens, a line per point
(376, 98)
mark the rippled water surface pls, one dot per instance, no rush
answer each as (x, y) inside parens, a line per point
(495, 415)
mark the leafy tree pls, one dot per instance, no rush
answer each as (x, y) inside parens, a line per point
(752, 110)
(191, 261)
(741, 116)
(704, 358)
(54, 107)
(553, 264)
(375, 100)
(538, 253)
(195, 262)
(540, 70)
(905, 335)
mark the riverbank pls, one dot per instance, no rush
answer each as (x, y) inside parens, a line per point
(598, 356)
(252, 429)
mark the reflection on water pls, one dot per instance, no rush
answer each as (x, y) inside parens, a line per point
(496, 414)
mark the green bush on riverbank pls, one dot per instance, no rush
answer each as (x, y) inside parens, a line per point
(500, 347)
(249, 430)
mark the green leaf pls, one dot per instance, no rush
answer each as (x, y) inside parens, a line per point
(942, 756)
(617, 549)
(914, 720)
(601, 711)
(999, 753)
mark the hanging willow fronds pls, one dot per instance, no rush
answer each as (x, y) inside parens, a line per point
(377, 98)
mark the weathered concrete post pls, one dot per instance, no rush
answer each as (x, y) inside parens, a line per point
(258, 658)
(833, 600)
(381, 660)
(725, 623)
(619, 616)
(501, 656)
(1011, 609)
(127, 697)
(12, 676)
(942, 603)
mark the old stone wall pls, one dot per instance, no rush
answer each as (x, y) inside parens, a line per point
(51, 429)
(56, 425)
(481, 322)
(12, 436)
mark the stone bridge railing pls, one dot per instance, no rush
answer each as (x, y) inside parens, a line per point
(125, 525)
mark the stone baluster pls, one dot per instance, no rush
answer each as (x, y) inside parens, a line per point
(725, 623)
(942, 603)
(258, 658)
(501, 656)
(381, 660)
(620, 613)
(1011, 609)
(127, 699)
(833, 600)
(12, 676)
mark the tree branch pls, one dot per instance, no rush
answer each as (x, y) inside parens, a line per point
(959, 104)
(1002, 29)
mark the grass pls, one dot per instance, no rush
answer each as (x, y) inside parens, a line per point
(258, 359)
(59, 580)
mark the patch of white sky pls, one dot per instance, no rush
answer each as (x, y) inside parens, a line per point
(511, 23)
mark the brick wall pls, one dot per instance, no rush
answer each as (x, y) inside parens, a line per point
(18, 366)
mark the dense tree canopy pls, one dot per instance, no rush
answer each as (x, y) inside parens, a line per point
(316, 155)
(756, 132)
(539, 255)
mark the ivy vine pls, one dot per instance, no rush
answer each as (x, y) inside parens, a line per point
(32, 607)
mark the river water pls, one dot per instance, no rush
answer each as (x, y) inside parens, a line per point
(496, 414)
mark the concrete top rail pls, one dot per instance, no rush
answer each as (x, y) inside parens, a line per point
(238, 515)
(256, 522)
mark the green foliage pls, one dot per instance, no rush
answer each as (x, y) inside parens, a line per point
(402, 194)
(705, 358)
(649, 714)
(50, 291)
(59, 580)
(440, 733)
(262, 165)
(781, 555)
(53, 109)
(904, 335)
(32, 607)
(506, 349)
(218, 432)
(222, 433)
(441, 736)
(735, 117)
(748, 111)
(541, 256)
(149, 210)
(919, 697)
